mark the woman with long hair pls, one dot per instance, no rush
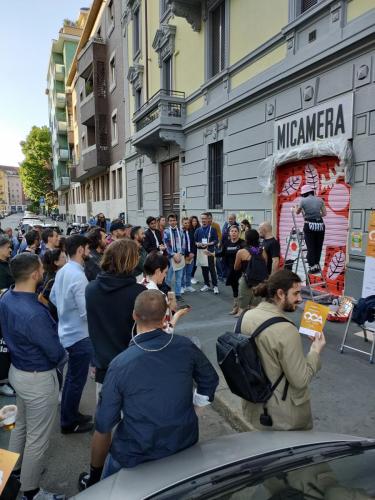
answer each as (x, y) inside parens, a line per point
(231, 246)
(244, 226)
(194, 225)
(110, 302)
(252, 248)
(52, 260)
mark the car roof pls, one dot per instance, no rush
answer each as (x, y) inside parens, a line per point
(152, 477)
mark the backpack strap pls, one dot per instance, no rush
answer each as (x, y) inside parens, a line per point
(237, 328)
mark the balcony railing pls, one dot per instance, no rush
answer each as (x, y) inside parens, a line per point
(60, 100)
(62, 183)
(160, 120)
(61, 127)
(59, 72)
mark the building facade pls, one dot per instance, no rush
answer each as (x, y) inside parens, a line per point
(233, 105)
(96, 83)
(12, 197)
(62, 54)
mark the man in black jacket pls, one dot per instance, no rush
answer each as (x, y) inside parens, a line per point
(97, 245)
(6, 279)
(153, 239)
(110, 302)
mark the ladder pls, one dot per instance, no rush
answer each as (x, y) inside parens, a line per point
(296, 235)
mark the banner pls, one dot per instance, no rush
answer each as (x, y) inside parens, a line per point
(313, 318)
(8, 460)
(369, 272)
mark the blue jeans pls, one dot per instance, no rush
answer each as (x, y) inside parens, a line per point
(80, 355)
(178, 278)
(111, 466)
(186, 276)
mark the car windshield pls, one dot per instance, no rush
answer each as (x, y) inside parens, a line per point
(330, 472)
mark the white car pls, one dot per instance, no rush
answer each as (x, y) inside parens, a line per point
(252, 465)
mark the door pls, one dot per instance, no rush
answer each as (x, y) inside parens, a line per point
(170, 186)
(328, 180)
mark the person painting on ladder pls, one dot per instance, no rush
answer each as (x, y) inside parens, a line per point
(313, 209)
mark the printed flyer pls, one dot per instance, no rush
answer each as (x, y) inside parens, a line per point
(313, 318)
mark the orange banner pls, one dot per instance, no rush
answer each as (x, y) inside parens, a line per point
(8, 460)
(370, 251)
(313, 318)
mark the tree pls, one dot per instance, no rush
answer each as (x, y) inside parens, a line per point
(35, 170)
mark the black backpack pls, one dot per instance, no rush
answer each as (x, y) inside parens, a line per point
(256, 270)
(239, 361)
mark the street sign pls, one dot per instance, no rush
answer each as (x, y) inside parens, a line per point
(42, 200)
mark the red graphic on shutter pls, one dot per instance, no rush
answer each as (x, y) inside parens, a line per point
(327, 178)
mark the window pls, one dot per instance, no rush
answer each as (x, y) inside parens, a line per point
(140, 188)
(167, 74)
(217, 28)
(215, 175)
(89, 84)
(114, 194)
(307, 4)
(136, 32)
(83, 141)
(111, 13)
(114, 128)
(138, 99)
(112, 72)
(119, 178)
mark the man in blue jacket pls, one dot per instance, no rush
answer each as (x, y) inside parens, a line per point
(175, 245)
(148, 394)
(206, 240)
(35, 350)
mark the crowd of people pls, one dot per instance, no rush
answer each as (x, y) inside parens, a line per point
(110, 299)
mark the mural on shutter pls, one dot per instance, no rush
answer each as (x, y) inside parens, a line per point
(328, 180)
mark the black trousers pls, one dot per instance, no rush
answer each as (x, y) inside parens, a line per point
(211, 269)
(314, 238)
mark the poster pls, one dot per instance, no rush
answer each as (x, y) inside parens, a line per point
(8, 460)
(369, 272)
(313, 318)
(356, 239)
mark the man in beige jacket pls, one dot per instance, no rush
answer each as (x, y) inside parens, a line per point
(280, 351)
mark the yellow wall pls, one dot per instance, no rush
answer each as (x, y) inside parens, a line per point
(258, 66)
(358, 7)
(195, 105)
(253, 22)
(98, 19)
(188, 61)
(153, 13)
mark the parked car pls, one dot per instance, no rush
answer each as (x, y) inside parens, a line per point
(55, 227)
(252, 465)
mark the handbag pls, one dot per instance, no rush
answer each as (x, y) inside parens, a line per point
(42, 295)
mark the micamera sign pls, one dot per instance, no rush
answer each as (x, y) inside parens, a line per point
(332, 119)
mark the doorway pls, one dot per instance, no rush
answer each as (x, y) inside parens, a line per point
(170, 187)
(328, 180)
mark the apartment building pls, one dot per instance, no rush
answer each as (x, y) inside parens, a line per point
(62, 54)
(233, 105)
(96, 83)
(12, 197)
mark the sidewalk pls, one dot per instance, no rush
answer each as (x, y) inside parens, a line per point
(342, 392)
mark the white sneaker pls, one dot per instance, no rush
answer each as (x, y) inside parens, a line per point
(205, 288)
(216, 290)
(6, 390)
(182, 290)
(190, 289)
(194, 281)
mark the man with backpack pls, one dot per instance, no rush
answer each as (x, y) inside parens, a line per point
(278, 398)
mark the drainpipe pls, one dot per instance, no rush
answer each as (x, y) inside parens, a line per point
(146, 29)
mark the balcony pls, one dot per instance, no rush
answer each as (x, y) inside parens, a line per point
(62, 183)
(191, 10)
(160, 121)
(95, 159)
(59, 72)
(63, 154)
(60, 100)
(61, 127)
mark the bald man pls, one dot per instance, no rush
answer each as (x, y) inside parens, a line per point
(271, 246)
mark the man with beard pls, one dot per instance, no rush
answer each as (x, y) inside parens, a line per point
(31, 336)
(280, 351)
(137, 234)
(68, 295)
(97, 245)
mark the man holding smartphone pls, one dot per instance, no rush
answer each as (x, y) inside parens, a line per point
(206, 239)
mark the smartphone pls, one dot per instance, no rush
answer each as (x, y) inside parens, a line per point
(185, 306)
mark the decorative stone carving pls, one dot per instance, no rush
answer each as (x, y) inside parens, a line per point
(362, 72)
(164, 42)
(135, 76)
(215, 128)
(335, 12)
(308, 93)
(270, 109)
(290, 41)
(191, 10)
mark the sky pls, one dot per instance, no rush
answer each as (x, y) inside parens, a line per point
(26, 35)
